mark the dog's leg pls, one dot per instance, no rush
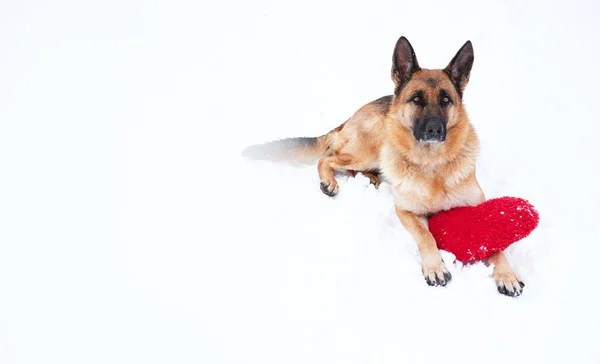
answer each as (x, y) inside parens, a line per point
(374, 178)
(433, 267)
(507, 280)
(327, 167)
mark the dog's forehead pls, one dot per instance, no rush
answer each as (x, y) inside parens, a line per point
(429, 83)
(430, 79)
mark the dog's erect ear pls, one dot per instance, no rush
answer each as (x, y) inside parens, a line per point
(404, 63)
(460, 67)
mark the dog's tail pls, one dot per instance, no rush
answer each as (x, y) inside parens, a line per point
(298, 150)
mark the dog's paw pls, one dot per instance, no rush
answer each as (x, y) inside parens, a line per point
(509, 283)
(329, 188)
(373, 178)
(436, 274)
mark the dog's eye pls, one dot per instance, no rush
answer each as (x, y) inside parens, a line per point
(445, 99)
(417, 98)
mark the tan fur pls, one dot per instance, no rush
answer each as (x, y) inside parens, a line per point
(426, 178)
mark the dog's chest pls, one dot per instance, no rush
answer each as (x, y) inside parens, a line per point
(428, 193)
(424, 197)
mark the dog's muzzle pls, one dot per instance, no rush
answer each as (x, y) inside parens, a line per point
(430, 130)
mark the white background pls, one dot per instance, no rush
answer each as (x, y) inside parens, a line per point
(131, 230)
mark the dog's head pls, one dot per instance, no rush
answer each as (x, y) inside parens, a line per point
(428, 102)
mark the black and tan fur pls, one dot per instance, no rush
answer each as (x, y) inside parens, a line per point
(420, 140)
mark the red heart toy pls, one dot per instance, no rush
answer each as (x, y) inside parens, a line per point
(475, 232)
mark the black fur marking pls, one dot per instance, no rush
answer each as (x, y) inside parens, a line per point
(384, 103)
(456, 86)
(447, 276)
(404, 64)
(439, 281)
(444, 93)
(432, 82)
(430, 129)
(325, 190)
(503, 290)
(385, 100)
(421, 97)
(460, 67)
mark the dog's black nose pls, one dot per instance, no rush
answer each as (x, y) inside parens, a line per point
(434, 130)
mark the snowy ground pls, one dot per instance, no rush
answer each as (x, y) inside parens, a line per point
(131, 230)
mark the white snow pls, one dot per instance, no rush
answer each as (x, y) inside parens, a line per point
(132, 231)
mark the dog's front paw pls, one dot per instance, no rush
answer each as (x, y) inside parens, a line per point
(509, 283)
(436, 273)
(330, 188)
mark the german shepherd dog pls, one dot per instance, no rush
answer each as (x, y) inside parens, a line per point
(420, 140)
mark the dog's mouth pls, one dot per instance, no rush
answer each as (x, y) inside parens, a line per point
(431, 141)
(430, 138)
